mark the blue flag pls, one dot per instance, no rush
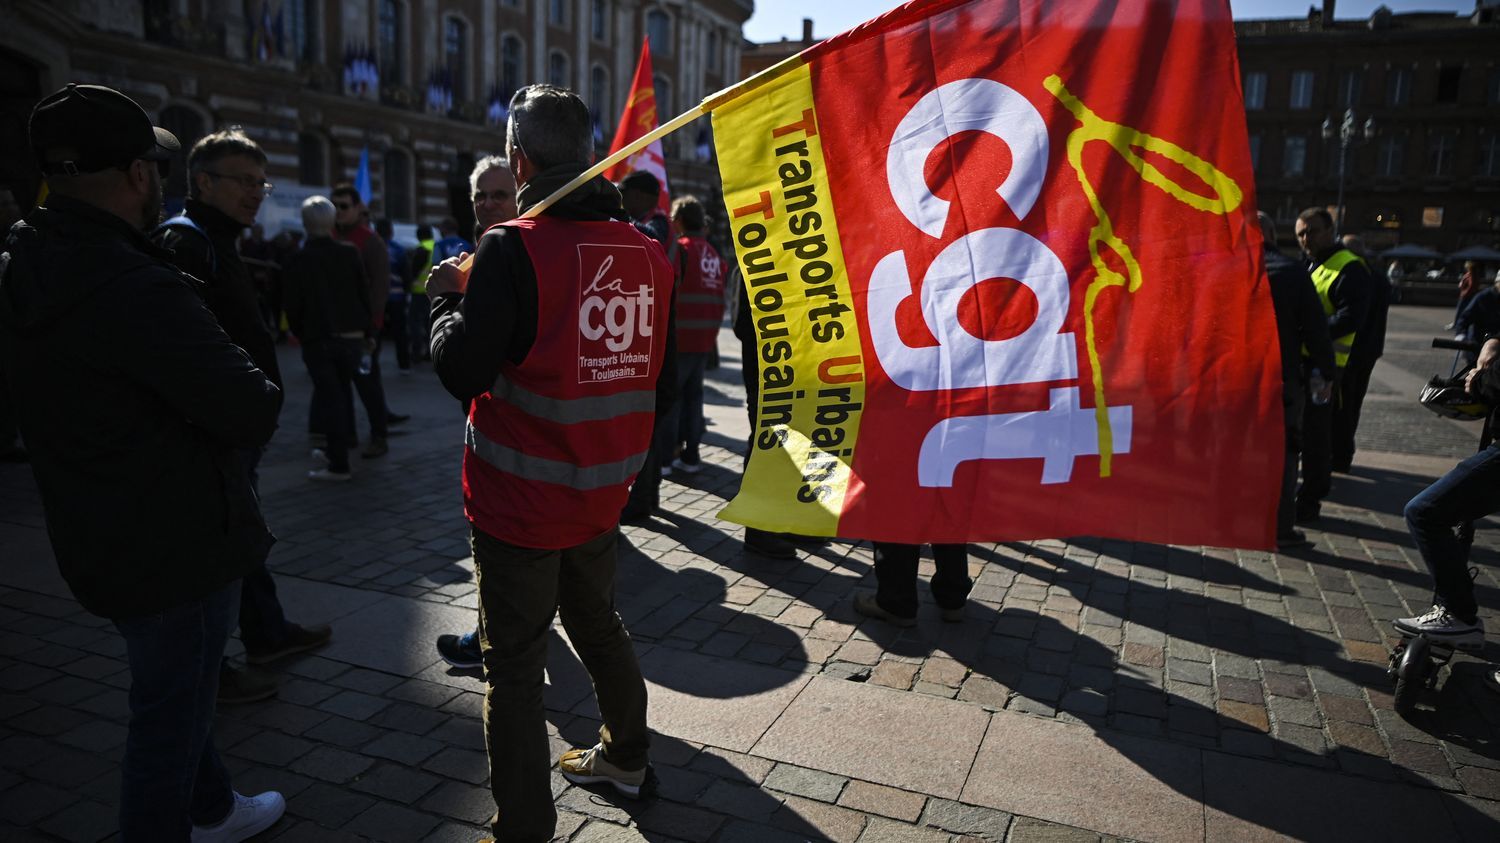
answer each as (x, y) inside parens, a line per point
(362, 176)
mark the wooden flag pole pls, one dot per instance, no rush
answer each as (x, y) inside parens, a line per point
(708, 104)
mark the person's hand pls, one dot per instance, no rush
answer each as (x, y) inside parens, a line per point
(1469, 380)
(1488, 354)
(1324, 395)
(447, 278)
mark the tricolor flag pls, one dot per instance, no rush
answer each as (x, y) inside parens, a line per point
(637, 120)
(1006, 278)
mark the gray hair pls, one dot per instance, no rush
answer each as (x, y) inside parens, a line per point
(487, 163)
(550, 125)
(318, 215)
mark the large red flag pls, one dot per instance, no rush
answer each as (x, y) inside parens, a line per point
(1006, 277)
(639, 118)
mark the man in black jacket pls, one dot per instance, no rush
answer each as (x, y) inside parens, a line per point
(1304, 346)
(328, 310)
(226, 185)
(133, 402)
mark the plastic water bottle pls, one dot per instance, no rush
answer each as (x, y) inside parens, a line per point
(364, 363)
(1318, 386)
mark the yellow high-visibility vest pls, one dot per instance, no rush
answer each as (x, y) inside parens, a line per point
(1323, 276)
(419, 283)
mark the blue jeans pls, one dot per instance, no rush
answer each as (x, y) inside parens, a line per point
(172, 778)
(1470, 491)
(684, 422)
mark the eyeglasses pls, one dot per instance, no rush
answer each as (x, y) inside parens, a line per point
(249, 183)
(493, 196)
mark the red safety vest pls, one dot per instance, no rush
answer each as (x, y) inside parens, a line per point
(700, 295)
(553, 446)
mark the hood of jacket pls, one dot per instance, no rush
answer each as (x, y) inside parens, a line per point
(94, 246)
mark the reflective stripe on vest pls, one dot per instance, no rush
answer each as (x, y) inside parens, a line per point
(1323, 276)
(584, 478)
(576, 410)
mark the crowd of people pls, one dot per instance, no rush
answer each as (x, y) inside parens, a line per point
(141, 357)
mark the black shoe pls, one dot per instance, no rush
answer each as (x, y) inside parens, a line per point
(635, 511)
(1293, 540)
(769, 545)
(461, 650)
(245, 686)
(396, 418)
(1307, 514)
(299, 639)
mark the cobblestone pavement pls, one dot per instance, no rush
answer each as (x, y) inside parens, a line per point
(1095, 689)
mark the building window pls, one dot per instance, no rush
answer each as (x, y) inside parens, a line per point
(1449, 79)
(1294, 157)
(456, 56)
(312, 160)
(557, 68)
(1390, 155)
(599, 20)
(713, 51)
(1398, 87)
(1255, 152)
(1255, 91)
(557, 12)
(390, 42)
(157, 17)
(1302, 89)
(302, 28)
(1432, 216)
(663, 99)
(398, 185)
(659, 31)
(599, 97)
(512, 59)
(1350, 84)
(1489, 155)
(1440, 147)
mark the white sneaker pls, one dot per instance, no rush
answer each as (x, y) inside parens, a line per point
(250, 816)
(1439, 624)
(320, 455)
(328, 475)
(679, 464)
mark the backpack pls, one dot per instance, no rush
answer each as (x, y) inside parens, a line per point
(182, 222)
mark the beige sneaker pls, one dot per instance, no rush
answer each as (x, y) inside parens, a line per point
(866, 604)
(588, 766)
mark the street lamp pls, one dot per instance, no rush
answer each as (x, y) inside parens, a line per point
(1348, 133)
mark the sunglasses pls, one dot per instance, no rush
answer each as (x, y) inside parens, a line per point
(493, 196)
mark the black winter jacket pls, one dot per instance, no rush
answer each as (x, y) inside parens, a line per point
(229, 290)
(132, 401)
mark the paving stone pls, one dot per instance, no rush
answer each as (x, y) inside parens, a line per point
(406, 749)
(873, 798)
(29, 802)
(1244, 715)
(353, 705)
(396, 783)
(331, 807)
(970, 820)
(392, 823)
(680, 821)
(893, 674)
(273, 749)
(331, 764)
(812, 784)
(82, 821)
(1420, 757)
(1300, 712)
(1346, 709)
(342, 732)
(462, 764)
(1029, 830)
(465, 802)
(880, 830)
(1095, 779)
(1361, 738)
(740, 800)
(813, 819)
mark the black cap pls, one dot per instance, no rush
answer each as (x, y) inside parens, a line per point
(88, 128)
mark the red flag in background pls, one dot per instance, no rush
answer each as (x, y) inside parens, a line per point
(639, 118)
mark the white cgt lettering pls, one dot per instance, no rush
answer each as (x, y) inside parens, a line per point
(1043, 352)
(622, 317)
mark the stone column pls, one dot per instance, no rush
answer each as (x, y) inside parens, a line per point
(539, 41)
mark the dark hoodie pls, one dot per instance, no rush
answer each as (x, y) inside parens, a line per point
(132, 400)
(474, 333)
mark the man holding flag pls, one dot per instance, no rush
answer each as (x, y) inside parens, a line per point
(556, 335)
